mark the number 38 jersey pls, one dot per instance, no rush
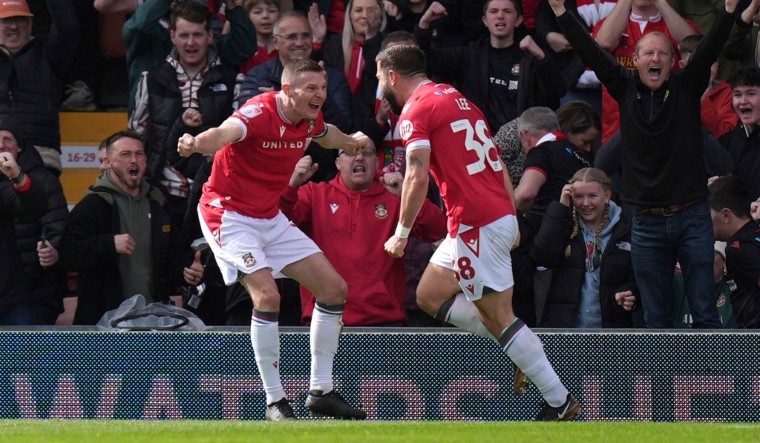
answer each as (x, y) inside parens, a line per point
(463, 159)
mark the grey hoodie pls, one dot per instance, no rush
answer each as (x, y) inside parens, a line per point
(590, 309)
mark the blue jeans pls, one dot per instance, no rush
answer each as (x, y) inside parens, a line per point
(19, 315)
(657, 242)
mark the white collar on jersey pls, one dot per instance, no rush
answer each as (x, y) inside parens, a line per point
(279, 110)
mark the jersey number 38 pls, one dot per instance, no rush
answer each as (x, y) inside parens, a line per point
(483, 145)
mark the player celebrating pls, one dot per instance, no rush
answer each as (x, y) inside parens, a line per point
(444, 133)
(253, 241)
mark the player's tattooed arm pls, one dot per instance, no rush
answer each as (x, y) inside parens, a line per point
(413, 195)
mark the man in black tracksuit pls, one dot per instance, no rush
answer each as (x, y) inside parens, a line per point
(496, 73)
(663, 174)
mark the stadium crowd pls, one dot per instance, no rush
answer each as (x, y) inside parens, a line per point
(630, 130)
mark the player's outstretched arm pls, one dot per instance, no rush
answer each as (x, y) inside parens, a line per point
(209, 141)
(413, 195)
(336, 139)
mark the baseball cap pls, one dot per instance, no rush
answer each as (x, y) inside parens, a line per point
(14, 8)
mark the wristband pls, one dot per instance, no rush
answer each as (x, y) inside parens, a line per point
(401, 231)
(19, 178)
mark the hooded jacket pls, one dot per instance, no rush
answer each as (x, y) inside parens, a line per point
(565, 293)
(87, 247)
(351, 228)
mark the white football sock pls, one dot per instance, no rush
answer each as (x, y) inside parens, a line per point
(527, 352)
(463, 313)
(325, 330)
(265, 338)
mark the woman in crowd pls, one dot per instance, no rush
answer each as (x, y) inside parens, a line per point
(586, 239)
(358, 45)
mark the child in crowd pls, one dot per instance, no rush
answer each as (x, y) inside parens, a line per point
(732, 223)
(682, 316)
(263, 14)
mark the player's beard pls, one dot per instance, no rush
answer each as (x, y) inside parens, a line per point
(392, 100)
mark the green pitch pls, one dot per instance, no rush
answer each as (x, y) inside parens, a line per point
(13, 431)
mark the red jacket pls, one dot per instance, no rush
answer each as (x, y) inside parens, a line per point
(351, 228)
(718, 114)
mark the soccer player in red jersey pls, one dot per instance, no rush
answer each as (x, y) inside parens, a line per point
(469, 280)
(253, 242)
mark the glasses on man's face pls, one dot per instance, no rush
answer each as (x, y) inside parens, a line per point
(10, 21)
(295, 36)
(363, 152)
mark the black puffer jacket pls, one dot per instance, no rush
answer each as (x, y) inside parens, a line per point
(616, 272)
(31, 81)
(215, 97)
(49, 285)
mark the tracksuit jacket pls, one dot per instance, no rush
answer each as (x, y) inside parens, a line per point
(351, 228)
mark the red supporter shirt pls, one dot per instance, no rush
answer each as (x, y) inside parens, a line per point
(249, 176)
(464, 160)
(261, 56)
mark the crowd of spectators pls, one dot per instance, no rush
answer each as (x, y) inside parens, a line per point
(630, 130)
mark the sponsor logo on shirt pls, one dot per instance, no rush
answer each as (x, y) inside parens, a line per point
(250, 111)
(282, 130)
(381, 212)
(333, 207)
(405, 129)
(283, 145)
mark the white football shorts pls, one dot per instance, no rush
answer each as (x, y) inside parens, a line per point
(243, 245)
(480, 257)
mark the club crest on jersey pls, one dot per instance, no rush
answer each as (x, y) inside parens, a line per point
(248, 260)
(405, 129)
(516, 69)
(311, 126)
(381, 212)
(721, 300)
(251, 111)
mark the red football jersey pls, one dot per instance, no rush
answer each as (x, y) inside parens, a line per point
(250, 175)
(464, 160)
